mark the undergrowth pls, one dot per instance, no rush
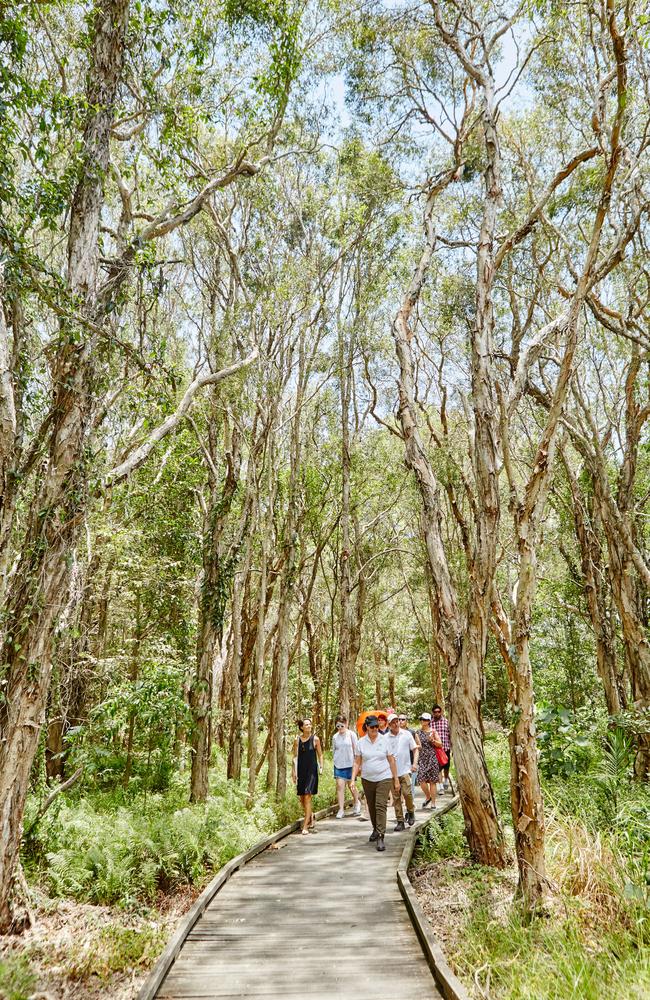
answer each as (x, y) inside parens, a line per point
(108, 849)
(593, 941)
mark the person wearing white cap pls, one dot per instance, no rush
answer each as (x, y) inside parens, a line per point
(402, 743)
(428, 768)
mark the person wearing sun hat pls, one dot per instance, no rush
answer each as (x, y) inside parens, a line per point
(376, 764)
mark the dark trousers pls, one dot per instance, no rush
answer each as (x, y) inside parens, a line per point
(377, 793)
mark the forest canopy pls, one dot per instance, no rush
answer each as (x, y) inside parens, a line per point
(323, 386)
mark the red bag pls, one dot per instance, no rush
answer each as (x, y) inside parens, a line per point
(443, 759)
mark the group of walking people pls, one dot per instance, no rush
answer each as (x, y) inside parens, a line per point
(390, 758)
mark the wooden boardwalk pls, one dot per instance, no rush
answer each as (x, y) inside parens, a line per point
(320, 916)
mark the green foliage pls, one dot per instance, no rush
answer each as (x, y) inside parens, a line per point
(441, 840)
(17, 978)
(567, 741)
(277, 22)
(594, 941)
(107, 849)
(614, 768)
(548, 960)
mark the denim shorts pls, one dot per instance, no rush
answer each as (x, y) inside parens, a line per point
(343, 772)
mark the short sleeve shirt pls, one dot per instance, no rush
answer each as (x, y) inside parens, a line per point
(374, 758)
(344, 747)
(402, 744)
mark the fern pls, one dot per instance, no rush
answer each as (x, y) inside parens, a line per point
(614, 768)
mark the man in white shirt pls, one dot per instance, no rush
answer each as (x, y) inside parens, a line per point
(402, 743)
(374, 761)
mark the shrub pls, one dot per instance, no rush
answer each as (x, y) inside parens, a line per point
(442, 840)
(569, 742)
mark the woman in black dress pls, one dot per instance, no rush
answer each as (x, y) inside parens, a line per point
(307, 765)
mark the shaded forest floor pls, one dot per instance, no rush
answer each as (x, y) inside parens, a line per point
(593, 942)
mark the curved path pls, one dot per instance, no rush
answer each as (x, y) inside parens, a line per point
(318, 916)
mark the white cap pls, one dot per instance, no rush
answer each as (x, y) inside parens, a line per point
(391, 717)
(425, 715)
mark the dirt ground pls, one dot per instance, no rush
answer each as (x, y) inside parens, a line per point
(80, 952)
(445, 898)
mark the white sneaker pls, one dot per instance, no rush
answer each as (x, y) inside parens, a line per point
(340, 814)
(357, 809)
(440, 789)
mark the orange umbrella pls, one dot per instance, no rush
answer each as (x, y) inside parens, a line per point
(364, 715)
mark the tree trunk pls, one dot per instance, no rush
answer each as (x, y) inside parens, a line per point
(347, 681)
(435, 660)
(38, 590)
(255, 702)
(235, 679)
(464, 658)
(592, 583)
(314, 658)
(217, 574)
(134, 670)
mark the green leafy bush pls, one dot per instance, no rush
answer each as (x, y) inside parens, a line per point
(442, 840)
(568, 741)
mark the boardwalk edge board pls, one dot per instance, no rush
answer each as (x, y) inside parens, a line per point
(168, 956)
(449, 984)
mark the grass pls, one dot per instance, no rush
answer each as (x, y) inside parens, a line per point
(116, 948)
(17, 978)
(593, 943)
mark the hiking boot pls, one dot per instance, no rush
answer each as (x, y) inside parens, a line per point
(380, 843)
(374, 835)
(410, 818)
(399, 827)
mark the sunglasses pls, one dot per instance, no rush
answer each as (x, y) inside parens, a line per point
(402, 718)
(339, 725)
(373, 727)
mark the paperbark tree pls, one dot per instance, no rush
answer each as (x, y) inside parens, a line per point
(527, 512)
(463, 635)
(38, 588)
